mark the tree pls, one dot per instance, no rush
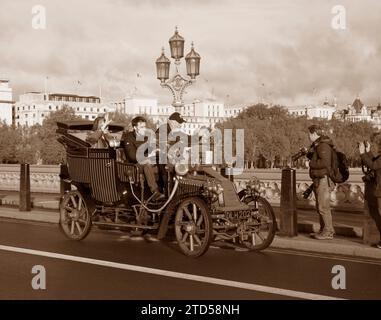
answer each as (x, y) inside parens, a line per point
(271, 133)
(261, 111)
(51, 151)
(27, 146)
(9, 139)
(347, 135)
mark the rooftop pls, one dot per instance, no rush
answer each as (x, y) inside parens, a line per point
(357, 104)
(62, 94)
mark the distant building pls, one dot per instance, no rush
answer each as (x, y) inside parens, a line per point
(132, 106)
(205, 113)
(198, 113)
(142, 106)
(33, 107)
(376, 116)
(358, 112)
(233, 111)
(324, 111)
(6, 102)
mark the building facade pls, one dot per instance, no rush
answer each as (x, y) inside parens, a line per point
(33, 107)
(6, 102)
(357, 111)
(197, 114)
(200, 114)
(324, 111)
(234, 110)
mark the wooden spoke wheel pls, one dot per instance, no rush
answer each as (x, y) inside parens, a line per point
(75, 219)
(193, 227)
(262, 225)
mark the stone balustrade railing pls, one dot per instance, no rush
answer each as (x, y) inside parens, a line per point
(348, 196)
(43, 178)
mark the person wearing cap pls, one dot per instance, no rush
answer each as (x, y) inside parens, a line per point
(165, 136)
(174, 123)
(320, 155)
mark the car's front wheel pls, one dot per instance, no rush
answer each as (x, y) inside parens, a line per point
(262, 225)
(193, 227)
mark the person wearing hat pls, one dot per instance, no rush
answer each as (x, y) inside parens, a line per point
(320, 155)
(165, 136)
(174, 123)
(166, 132)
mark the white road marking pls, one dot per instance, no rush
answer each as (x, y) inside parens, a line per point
(173, 274)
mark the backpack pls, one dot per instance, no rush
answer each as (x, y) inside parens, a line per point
(339, 171)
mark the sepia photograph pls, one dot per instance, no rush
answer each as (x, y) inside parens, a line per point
(190, 158)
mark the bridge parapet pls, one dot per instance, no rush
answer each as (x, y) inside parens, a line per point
(43, 178)
(348, 196)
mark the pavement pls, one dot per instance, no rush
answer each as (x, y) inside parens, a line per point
(38, 200)
(348, 226)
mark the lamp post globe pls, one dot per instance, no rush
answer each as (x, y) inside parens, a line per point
(176, 43)
(162, 67)
(192, 60)
(177, 83)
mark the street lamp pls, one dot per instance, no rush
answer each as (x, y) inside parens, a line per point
(177, 83)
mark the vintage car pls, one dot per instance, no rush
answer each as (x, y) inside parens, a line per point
(201, 205)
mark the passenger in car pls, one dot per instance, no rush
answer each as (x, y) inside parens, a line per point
(100, 135)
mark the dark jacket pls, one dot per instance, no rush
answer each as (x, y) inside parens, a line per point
(164, 138)
(320, 156)
(131, 145)
(373, 163)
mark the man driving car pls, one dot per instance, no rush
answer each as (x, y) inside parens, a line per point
(132, 141)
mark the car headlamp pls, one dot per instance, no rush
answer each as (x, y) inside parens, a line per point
(254, 184)
(181, 169)
(212, 188)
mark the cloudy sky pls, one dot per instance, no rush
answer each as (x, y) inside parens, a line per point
(283, 50)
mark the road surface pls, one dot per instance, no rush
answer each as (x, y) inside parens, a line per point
(111, 265)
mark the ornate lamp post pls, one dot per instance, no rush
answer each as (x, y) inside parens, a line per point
(177, 83)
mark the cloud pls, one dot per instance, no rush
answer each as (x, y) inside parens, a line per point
(280, 50)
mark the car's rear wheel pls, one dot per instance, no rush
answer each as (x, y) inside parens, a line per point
(75, 218)
(193, 227)
(262, 225)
